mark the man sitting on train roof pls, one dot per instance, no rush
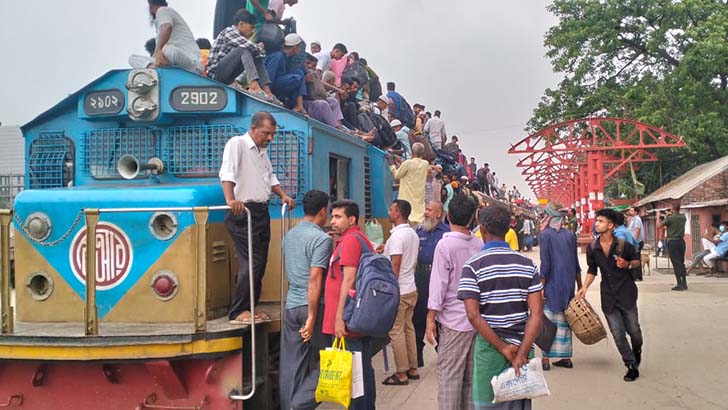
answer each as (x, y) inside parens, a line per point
(287, 78)
(174, 46)
(234, 54)
(318, 104)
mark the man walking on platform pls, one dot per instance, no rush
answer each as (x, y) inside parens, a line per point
(614, 259)
(675, 224)
(560, 270)
(307, 252)
(247, 181)
(456, 336)
(430, 232)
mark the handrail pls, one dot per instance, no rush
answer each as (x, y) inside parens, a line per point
(241, 397)
(285, 227)
(6, 309)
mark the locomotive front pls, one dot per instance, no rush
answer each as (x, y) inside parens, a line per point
(131, 159)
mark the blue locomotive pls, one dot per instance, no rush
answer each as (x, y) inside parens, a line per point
(131, 161)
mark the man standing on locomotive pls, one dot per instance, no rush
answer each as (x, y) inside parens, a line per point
(247, 181)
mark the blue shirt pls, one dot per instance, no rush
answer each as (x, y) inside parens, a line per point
(722, 246)
(276, 65)
(559, 266)
(621, 232)
(428, 242)
(305, 246)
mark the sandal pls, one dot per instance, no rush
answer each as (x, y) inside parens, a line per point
(244, 318)
(565, 363)
(413, 376)
(393, 380)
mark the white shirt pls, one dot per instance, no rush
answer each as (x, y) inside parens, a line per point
(249, 168)
(324, 60)
(404, 241)
(181, 38)
(435, 128)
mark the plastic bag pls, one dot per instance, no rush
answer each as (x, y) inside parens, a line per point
(335, 379)
(530, 384)
(374, 232)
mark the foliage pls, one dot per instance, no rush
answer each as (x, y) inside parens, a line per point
(663, 62)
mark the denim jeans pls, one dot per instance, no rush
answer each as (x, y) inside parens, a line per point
(369, 400)
(622, 322)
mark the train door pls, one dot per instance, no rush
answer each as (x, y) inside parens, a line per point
(339, 177)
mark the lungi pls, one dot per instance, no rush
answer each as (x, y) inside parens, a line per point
(562, 346)
(489, 362)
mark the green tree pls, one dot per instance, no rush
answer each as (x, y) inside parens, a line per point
(663, 62)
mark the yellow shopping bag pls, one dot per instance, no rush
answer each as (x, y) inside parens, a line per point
(334, 383)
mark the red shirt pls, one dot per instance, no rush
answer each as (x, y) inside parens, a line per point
(349, 249)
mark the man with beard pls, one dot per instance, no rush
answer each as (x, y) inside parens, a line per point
(430, 232)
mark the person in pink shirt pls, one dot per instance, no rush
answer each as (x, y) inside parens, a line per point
(338, 67)
(447, 324)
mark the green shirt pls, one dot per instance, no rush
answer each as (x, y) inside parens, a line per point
(260, 17)
(675, 224)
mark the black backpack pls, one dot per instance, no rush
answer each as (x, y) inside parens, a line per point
(271, 35)
(356, 71)
(386, 137)
(405, 110)
(375, 89)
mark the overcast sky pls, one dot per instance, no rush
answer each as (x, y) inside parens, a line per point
(480, 62)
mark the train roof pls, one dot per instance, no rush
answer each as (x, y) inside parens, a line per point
(72, 99)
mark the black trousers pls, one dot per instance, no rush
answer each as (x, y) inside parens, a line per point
(419, 319)
(237, 226)
(676, 250)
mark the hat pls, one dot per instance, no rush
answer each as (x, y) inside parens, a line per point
(464, 177)
(395, 123)
(292, 40)
(316, 42)
(384, 98)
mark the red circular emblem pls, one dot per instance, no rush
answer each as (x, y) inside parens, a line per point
(114, 255)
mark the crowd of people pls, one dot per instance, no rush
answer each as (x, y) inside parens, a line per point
(330, 84)
(454, 292)
(454, 229)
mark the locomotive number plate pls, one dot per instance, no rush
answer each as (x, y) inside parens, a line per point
(198, 99)
(107, 102)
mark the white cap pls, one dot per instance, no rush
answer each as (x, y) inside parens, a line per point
(395, 123)
(384, 98)
(318, 43)
(292, 39)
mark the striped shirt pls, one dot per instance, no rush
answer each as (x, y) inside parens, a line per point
(501, 280)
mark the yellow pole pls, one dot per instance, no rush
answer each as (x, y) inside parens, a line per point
(90, 313)
(6, 310)
(201, 215)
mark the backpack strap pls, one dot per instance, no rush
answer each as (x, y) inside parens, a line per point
(364, 249)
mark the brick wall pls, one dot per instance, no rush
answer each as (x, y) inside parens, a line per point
(712, 189)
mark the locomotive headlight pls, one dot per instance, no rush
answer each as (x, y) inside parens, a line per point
(141, 107)
(38, 226)
(165, 285)
(141, 82)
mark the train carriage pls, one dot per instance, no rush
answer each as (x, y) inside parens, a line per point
(132, 159)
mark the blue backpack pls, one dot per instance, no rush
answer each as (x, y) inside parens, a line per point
(373, 311)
